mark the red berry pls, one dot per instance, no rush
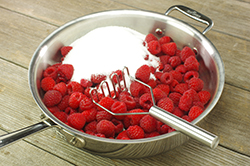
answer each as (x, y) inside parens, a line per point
(190, 74)
(178, 112)
(106, 127)
(150, 37)
(196, 84)
(62, 116)
(191, 63)
(135, 119)
(136, 89)
(97, 78)
(164, 59)
(90, 114)
(158, 94)
(194, 112)
(152, 134)
(164, 39)
(146, 101)
(74, 86)
(52, 98)
(128, 100)
(64, 103)
(167, 68)
(118, 125)
(103, 115)
(167, 78)
(186, 52)
(77, 120)
(66, 71)
(185, 102)
(122, 134)
(154, 47)
(61, 87)
(166, 104)
(143, 73)
(85, 83)
(165, 88)
(176, 75)
(50, 72)
(148, 123)
(186, 117)
(169, 48)
(181, 69)
(174, 61)
(175, 97)
(135, 132)
(106, 102)
(75, 99)
(65, 50)
(119, 107)
(91, 127)
(181, 88)
(47, 83)
(204, 96)
(53, 109)
(86, 103)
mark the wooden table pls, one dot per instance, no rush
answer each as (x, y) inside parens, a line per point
(24, 25)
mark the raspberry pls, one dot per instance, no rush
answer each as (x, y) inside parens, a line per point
(61, 87)
(69, 111)
(178, 112)
(167, 78)
(158, 75)
(175, 97)
(191, 63)
(91, 127)
(164, 59)
(165, 88)
(136, 89)
(152, 134)
(74, 86)
(196, 84)
(148, 123)
(169, 48)
(106, 102)
(158, 94)
(97, 78)
(100, 135)
(194, 112)
(150, 37)
(181, 88)
(154, 47)
(122, 134)
(134, 119)
(66, 71)
(47, 83)
(85, 83)
(199, 104)
(167, 68)
(64, 103)
(135, 132)
(173, 85)
(53, 109)
(166, 104)
(185, 102)
(118, 125)
(192, 93)
(204, 96)
(106, 127)
(187, 118)
(181, 69)
(103, 115)
(164, 129)
(62, 116)
(176, 75)
(164, 39)
(146, 101)
(174, 61)
(50, 72)
(119, 107)
(119, 74)
(86, 103)
(75, 99)
(76, 120)
(143, 73)
(190, 74)
(65, 50)
(128, 100)
(90, 114)
(52, 98)
(186, 52)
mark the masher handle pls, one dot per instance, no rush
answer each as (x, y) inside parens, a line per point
(185, 127)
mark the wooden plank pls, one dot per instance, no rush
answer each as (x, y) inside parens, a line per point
(23, 154)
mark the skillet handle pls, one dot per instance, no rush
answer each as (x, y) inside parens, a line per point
(14, 136)
(185, 127)
(194, 15)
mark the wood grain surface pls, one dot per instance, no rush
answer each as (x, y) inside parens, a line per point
(25, 24)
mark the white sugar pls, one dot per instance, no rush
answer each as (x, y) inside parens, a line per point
(107, 49)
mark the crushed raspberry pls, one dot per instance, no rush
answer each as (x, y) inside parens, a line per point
(169, 48)
(204, 96)
(47, 83)
(119, 107)
(135, 132)
(194, 112)
(66, 71)
(186, 52)
(52, 98)
(75, 99)
(154, 47)
(97, 78)
(90, 114)
(106, 127)
(196, 84)
(143, 73)
(74, 86)
(76, 120)
(191, 63)
(61, 87)
(148, 123)
(164, 39)
(166, 104)
(150, 37)
(167, 78)
(62, 116)
(50, 72)
(65, 50)
(146, 101)
(64, 103)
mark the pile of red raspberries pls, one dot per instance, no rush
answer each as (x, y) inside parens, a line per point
(177, 88)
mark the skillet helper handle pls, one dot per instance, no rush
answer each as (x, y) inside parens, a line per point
(14, 136)
(185, 127)
(194, 15)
